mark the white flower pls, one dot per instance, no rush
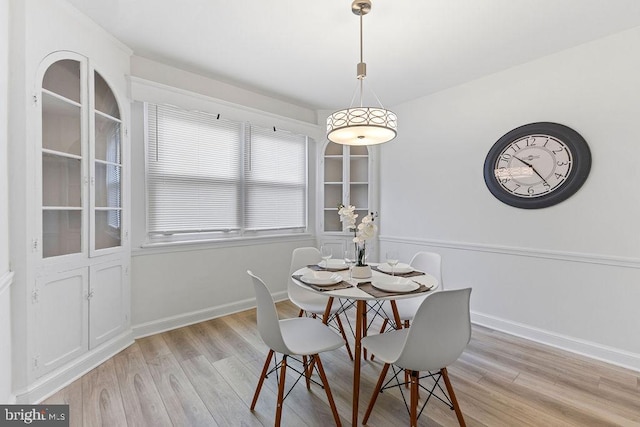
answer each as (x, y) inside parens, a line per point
(366, 230)
(348, 216)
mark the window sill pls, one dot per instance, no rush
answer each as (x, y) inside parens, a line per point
(150, 248)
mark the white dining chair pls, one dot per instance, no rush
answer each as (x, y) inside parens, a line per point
(427, 262)
(300, 336)
(309, 302)
(440, 331)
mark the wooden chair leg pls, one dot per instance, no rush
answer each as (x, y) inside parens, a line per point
(307, 371)
(344, 336)
(323, 377)
(327, 311)
(262, 377)
(312, 364)
(283, 369)
(376, 391)
(452, 396)
(364, 331)
(384, 325)
(301, 313)
(413, 410)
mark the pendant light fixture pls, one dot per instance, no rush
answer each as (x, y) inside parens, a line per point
(362, 125)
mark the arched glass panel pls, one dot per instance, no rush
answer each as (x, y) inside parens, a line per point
(107, 167)
(105, 100)
(63, 78)
(62, 200)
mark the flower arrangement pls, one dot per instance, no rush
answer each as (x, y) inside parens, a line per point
(363, 232)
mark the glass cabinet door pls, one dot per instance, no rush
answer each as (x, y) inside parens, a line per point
(107, 167)
(62, 160)
(346, 181)
(81, 137)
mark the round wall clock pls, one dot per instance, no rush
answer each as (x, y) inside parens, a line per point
(537, 165)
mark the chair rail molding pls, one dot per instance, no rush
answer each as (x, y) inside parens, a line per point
(519, 251)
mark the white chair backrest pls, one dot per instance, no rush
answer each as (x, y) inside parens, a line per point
(429, 262)
(301, 257)
(439, 332)
(268, 321)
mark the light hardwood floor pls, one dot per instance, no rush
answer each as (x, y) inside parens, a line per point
(205, 375)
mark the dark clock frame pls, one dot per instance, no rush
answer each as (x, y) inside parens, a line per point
(576, 144)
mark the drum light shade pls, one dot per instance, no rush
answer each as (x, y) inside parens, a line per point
(361, 126)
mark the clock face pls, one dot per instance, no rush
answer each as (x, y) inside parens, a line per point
(537, 165)
(533, 165)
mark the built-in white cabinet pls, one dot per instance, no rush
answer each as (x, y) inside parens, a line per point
(76, 311)
(108, 301)
(69, 196)
(60, 308)
(80, 296)
(347, 177)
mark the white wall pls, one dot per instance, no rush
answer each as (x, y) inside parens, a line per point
(5, 275)
(172, 288)
(182, 284)
(569, 274)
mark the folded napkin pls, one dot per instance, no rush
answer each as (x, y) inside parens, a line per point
(316, 267)
(375, 292)
(337, 286)
(409, 274)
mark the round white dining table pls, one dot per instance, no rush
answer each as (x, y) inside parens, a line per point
(360, 298)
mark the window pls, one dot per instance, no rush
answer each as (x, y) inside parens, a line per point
(208, 177)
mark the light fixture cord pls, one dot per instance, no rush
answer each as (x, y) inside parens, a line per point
(362, 73)
(361, 43)
(361, 77)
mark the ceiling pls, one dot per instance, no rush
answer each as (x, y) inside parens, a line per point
(306, 53)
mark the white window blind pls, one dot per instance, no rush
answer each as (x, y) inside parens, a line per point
(197, 181)
(275, 180)
(193, 171)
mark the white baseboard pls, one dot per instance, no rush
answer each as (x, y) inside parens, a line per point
(179, 321)
(589, 349)
(60, 378)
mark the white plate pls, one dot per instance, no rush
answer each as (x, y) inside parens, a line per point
(321, 278)
(334, 263)
(394, 284)
(400, 268)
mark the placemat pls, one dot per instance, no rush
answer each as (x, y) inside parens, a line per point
(375, 292)
(316, 267)
(337, 286)
(409, 274)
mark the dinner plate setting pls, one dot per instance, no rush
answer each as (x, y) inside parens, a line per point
(334, 264)
(394, 284)
(399, 269)
(321, 278)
